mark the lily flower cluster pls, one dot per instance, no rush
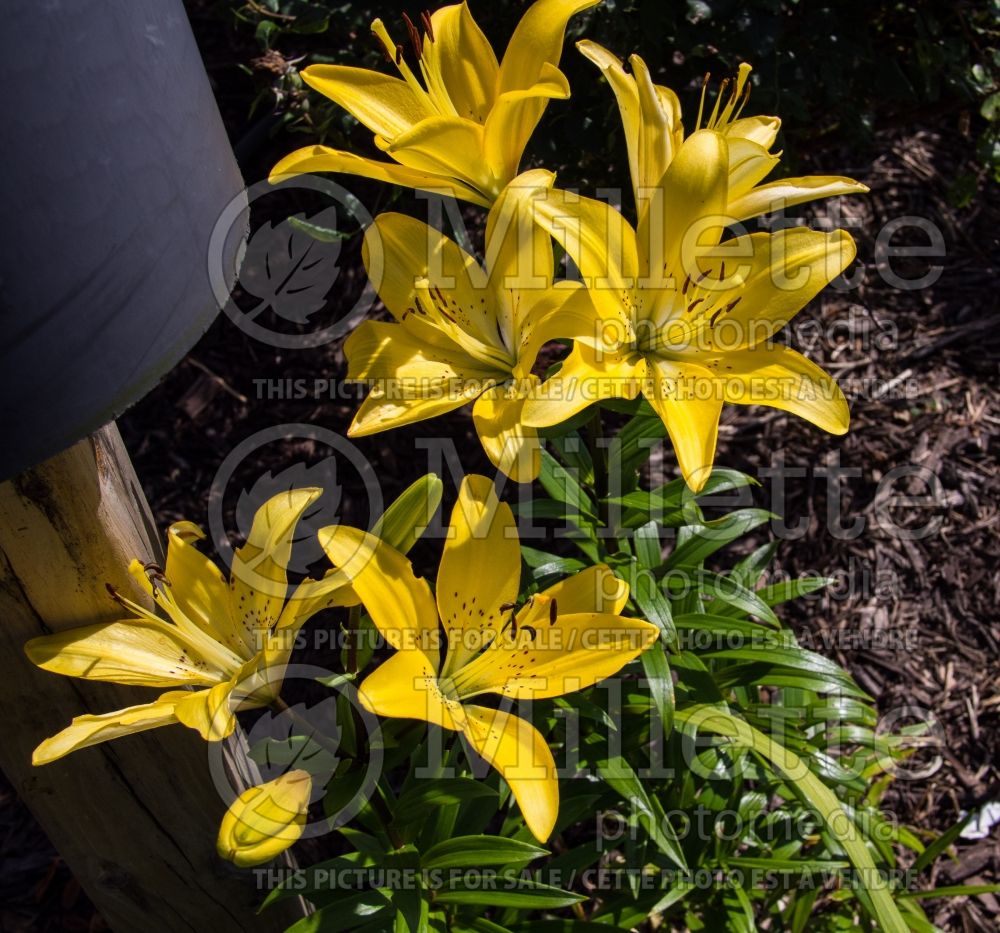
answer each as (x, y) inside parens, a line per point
(672, 306)
(673, 309)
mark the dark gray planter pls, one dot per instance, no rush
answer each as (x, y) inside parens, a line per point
(115, 168)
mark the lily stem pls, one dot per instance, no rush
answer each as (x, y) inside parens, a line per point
(377, 801)
(353, 621)
(599, 456)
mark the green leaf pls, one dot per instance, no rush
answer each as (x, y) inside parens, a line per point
(345, 910)
(713, 536)
(508, 891)
(402, 524)
(617, 773)
(440, 792)
(476, 851)
(661, 684)
(724, 589)
(562, 486)
(654, 606)
(838, 824)
(317, 232)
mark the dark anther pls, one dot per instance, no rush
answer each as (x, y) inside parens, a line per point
(530, 629)
(415, 40)
(553, 612)
(399, 55)
(425, 18)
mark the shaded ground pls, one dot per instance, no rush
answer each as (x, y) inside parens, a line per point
(916, 621)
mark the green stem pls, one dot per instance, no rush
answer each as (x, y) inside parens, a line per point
(377, 802)
(353, 622)
(599, 456)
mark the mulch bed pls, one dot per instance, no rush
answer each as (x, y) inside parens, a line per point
(916, 621)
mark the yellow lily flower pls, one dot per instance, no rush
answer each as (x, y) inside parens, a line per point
(684, 319)
(462, 332)
(265, 820)
(566, 638)
(651, 119)
(229, 640)
(464, 129)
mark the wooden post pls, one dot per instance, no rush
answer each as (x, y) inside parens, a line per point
(136, 818)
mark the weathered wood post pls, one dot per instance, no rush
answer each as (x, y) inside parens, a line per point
(116, 168)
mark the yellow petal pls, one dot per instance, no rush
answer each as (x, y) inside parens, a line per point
(310, 596)
(564, 312)
(536, 43)
(434, 288)
(311, 159)
(480, 570)
(550, 653)
(406, 687)
(780, 377)
(258, 583)
(448, 146)
(788, 268)
(513, 119)
(692, 215)
(585, 377)
(594, 234)
(381, 412)
(513, 447)
(128, 652)
(88, 730)
(198, 587)
(760, 130)
(265, 820)
(650, 118)
(788, 192)
(689, 403)
(459, 62)
(209, 712)
(519, 258)
(386, 105)
(595, 589)
(399, 602)
(748, 164)
(519, 752)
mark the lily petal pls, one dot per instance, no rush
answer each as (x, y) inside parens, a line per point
(131, 652)
(406, 687)
(311, 159)
(595, 235)
(384, 104)
(460, 63)
(399, 602)
(198, 587)
(787, 270)
(692, 420)
(585, 378)
(693, 213)
(512, 446)
(265, 820)
(258, 582)
(88, 730)
(549, 654)
(536, 43)
(448, 146)
(480, 570)
(595, 589)
(780, 377)
(791, 191)
(519, 752)
(209, 712)
(432, 286)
